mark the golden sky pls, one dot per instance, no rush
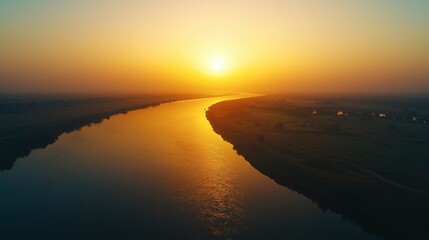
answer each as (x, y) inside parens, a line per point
(203, 46)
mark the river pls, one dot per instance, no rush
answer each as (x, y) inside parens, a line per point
(155, 173)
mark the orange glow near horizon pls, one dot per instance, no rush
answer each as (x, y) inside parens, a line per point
(164, 46)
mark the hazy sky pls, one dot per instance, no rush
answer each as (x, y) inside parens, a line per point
(232, 45)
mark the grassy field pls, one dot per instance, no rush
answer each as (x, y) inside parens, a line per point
(30, 122)
(365, 158)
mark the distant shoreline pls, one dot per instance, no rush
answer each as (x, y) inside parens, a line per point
(331, 160)
(28, 123)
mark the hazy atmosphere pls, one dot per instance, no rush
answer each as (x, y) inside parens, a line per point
(214, 120)
(201, 46)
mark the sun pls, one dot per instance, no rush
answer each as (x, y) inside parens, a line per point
(217, 65)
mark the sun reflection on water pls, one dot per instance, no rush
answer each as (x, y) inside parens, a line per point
(208, 182)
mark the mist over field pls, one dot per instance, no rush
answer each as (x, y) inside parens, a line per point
(227, 119)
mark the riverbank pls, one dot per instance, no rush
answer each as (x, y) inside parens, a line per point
(32, 122)
(362, 158)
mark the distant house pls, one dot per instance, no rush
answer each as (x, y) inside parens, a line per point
(340, 113)
(314, 113)
(381, 115)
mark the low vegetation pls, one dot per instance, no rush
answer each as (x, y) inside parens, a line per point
(365, 158)
(31, 122)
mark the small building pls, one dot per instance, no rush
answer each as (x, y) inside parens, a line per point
(314, 113)
(382, 115)
(340, 113)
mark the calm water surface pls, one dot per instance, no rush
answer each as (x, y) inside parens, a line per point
(156, 173)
